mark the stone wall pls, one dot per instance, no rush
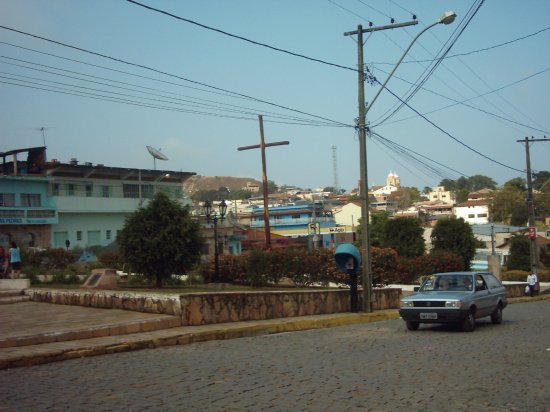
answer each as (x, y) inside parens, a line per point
(217, 307)
(515, 290)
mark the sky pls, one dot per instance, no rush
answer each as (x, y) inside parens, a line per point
(106, 78)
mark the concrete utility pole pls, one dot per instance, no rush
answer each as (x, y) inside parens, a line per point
(262, 147)
(447, 18)
(363, 177)
(534, 261)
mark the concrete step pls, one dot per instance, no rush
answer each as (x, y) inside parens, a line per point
(113, 329)
(4, 293)
(8, 300)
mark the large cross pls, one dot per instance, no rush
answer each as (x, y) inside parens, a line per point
(262, 147)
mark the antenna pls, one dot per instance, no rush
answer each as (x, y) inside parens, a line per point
(335, 170)
(42, 129)
(157, 154)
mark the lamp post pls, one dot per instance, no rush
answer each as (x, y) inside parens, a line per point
(207, 209)
(447, 18)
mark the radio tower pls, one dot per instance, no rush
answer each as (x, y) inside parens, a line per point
(335, 170)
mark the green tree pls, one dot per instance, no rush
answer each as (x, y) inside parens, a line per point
(478, 182)
(517, 183)
(160, 239)
(271, 187)
(405, 235)
(377, 227)
(541, 181)
(405, 197)
(506, 203)
(455, 235)
(519, 254)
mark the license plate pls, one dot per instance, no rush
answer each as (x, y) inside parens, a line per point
(428, 316)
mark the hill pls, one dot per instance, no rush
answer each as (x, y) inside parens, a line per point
(196, 183)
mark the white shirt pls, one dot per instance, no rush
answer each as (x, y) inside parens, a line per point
(532, 279)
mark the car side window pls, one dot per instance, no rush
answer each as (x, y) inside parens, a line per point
(480, 283)
(492, 281)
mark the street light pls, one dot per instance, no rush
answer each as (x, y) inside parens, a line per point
(447, 18)
(207, 210)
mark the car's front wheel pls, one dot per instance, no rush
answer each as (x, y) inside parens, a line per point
(469, 322)
(412, 325)
(496, 316)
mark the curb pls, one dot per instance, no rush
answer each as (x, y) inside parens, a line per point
(180, 336)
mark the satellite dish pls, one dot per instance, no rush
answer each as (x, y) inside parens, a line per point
(157, 154)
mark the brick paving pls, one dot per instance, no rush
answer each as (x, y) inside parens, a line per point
(365, 366)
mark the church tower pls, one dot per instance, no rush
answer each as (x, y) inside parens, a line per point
(393, 180)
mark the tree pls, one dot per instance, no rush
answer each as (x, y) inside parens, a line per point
(455, 235)
(541, 181)
(160, 239)
(478, 182)
(405, 235)
(271, 187)
(517, 183)
(405, 197)
(519, 254)
(507, 202)
(376, 227)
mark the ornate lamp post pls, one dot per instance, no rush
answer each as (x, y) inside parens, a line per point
(207, 209)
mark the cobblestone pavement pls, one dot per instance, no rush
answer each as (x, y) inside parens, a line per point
(377, 366)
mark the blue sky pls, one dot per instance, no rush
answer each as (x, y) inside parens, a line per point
(480, 139)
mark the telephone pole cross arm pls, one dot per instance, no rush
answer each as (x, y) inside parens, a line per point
(262, 147)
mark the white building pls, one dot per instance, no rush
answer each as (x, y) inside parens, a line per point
(473, 211)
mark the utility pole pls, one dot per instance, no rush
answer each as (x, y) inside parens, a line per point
(262, 147)
(531, 205)
(363, 178)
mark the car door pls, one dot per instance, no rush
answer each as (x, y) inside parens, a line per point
(482, 297)
(496, 290)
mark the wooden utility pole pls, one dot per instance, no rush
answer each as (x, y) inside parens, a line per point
(262, 147)
(531, 206)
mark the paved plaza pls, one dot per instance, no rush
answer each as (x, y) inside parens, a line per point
(377, 366)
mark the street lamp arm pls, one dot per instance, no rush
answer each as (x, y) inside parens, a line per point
(445, 19)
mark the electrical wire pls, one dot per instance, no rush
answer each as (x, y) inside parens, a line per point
(240, 37)
(173, 75)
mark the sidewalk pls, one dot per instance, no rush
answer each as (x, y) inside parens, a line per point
(33, 333)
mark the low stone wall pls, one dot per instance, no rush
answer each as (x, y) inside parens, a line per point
(167, 304)
(206, 308)
(515, 290)
(218, 307)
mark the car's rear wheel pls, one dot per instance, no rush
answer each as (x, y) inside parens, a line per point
(412, 325)
(496, 316)
(469, 322)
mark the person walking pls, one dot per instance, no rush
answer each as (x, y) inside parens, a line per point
(532, 281)
(15, 260)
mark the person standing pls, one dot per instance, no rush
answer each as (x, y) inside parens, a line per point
(532, 281)
(15, 260)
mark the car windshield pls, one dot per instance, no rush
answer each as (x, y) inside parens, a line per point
(449, 283)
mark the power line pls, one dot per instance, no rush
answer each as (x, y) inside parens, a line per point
(240, 37)
(451, 136)
(172, 75)
(472, 51)
(463, 103)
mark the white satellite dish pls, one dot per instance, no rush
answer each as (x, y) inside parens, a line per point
(157, 154)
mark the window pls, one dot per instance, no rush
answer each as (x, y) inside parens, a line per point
(79, 235)
(108, 234)
(471, 216)
(131, 191)
(55, 189)
(7, 199)
(482, 215)
(296, 216)
(89, 189)
(30, 199)
(69, 187)
(105, 191)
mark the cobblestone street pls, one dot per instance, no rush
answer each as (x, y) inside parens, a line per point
(378, 366)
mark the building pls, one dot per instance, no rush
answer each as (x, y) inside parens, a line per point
(473, 211)
(53, 204)
(439, 194)
(298, 219)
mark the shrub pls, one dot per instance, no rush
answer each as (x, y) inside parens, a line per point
(515, 275)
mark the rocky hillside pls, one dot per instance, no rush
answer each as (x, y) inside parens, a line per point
(196, 183)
